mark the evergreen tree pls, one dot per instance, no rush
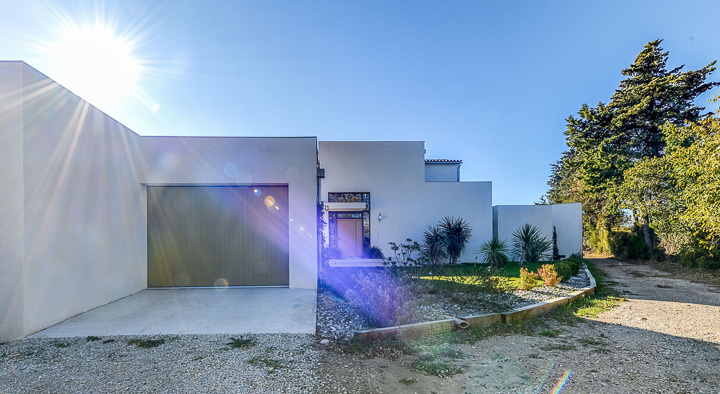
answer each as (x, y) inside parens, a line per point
(607, 140)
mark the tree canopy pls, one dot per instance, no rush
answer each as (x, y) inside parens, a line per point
(615, 163)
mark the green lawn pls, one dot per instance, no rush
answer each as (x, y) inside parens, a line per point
(464, 273)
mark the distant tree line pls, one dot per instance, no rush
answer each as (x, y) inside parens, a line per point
(646, 165)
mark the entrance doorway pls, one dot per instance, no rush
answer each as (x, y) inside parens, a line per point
(349, 237)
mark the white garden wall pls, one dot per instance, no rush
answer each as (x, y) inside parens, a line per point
(511, 217)
(566, 218)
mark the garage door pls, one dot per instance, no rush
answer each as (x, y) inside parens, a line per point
(217, 236)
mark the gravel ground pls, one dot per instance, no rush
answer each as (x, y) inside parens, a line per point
(337, 319)
(188, 364)
(664, 339)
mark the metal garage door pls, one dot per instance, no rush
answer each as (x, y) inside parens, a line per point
(217, 236)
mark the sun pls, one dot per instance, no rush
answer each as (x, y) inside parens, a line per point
(96, 64)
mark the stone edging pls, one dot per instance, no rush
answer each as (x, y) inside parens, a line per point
(415, 330)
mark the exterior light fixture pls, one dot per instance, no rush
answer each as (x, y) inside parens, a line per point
(379, 217)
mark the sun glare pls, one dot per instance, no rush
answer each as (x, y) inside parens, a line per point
(96, 64)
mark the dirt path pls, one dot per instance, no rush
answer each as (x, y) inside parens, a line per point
(665, 338)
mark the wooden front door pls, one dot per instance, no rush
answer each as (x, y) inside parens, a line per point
(349, 237)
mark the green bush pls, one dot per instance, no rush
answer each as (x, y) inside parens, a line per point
(700, 258)
(528, 279)
(574, 262)
(494, 253)
(564, 270)
(628, 245)
(529, 246)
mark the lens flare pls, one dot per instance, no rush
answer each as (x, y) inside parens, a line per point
(269, 201)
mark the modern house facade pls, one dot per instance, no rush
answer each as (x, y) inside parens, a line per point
(377, 192)
(91, 212)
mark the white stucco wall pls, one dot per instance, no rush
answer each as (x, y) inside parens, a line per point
(73, 211)
(245, 161)
(84, 230)
(567, 219)
(508, 218)
(442, 172)
(394, 174)
(11, 201)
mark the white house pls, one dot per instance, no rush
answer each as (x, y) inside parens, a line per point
(385, 191)
(91, 212)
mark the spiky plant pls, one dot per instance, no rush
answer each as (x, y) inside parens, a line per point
(433, 247)
(494, 252)
(528, 245)
(456, 235)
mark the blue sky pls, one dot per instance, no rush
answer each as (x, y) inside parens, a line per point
(490, 83)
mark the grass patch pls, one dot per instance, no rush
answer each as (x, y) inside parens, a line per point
(241, 343)
(269, 363)
(464, 276)
(557, 346)
(108, 341)
(637, 274)
(92, 338)
(407, 381)
(550, 333)
(146, 343)
(605, 298)
(601, 350)
(431, 365)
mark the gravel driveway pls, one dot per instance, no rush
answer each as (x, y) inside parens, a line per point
(665, 338)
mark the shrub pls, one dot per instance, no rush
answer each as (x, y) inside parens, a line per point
(374, 252)
(628, 245)
(564, 270)
(528, 245)
(701, 258)
(329, 253)
(494, 252)
(433, 248)
(403, 258)
(549, 275)
(489, 280)
(380, 297)
(528, 280)
(555, 250)
(455, 234)
(574, 262)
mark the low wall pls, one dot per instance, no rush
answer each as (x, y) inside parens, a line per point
(411, 331)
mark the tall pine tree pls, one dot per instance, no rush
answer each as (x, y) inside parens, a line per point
(607, 140)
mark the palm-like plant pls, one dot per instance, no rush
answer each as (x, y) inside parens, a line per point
(434, 248)
(529, 245)
(456, 234)
(494, 253)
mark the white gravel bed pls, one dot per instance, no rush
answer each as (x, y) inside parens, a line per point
(337, 319)
(274, 363)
